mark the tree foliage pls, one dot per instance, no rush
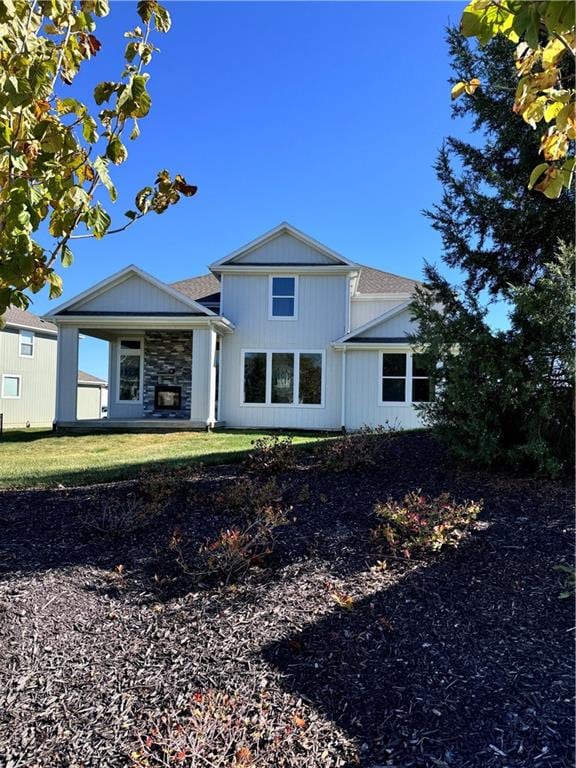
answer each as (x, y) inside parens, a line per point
(56, 151)
(545, 42)
(503, 398)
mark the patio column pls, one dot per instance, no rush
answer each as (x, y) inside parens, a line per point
(203, 376)
(67, 373)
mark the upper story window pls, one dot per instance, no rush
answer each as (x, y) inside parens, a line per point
(26, 344)
(283, 297)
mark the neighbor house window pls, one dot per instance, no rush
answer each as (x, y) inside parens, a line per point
(283, 297)
(130, 370)
(393, 377)
(283, 378)
(11, 386)
(421, 385)
(26, 344)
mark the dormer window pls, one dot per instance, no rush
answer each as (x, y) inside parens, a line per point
(283, 297)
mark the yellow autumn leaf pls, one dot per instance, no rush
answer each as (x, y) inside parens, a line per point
(551, 184)
(552, 52)
(534, 112)
(552, 110)
(458, 90)
(471, 86)
(536, 174)
(554, 145)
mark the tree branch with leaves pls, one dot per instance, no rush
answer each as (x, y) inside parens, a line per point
(56, 151)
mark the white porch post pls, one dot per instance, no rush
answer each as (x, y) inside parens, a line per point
(203, 376)
(67, 373)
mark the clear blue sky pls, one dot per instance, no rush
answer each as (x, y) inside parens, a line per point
(325, 114)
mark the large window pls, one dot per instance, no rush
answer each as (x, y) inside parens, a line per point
(283, 378)
(393, 377)
(283, 297)
(11, 386)
(130, 371)
(421, 385)
(26, 344)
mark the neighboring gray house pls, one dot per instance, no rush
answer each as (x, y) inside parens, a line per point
(283, 333)
(28, 347)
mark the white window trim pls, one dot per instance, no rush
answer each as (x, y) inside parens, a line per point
(271, 299)
(140, 353)
(268, 392)
(12, 376)
(28, 343)
(407, 378)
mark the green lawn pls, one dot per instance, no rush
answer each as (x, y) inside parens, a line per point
(43, 458)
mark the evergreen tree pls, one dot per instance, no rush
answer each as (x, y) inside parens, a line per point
(502, 397)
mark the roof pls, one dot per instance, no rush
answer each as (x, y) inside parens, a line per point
(198, 288)
(21, 318)
(88, 378)
(377, 281)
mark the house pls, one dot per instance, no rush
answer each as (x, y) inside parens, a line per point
(28, 347)
(283, 333)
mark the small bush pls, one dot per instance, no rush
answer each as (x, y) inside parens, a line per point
(419, 524)
(355, 450)
(272, 454)
(118, 517)
(249, 496)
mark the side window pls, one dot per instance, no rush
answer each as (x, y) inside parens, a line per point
(255, 377)
(130, 370)
(283, 297)
(393, 377)
(26, 344)
(11, 386)
(421, 385)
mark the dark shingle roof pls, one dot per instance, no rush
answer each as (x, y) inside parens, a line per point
(376, 281)
(205, 287)
(88, 378)
(23, 319)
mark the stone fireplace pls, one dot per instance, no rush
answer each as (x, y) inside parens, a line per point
(167, 374)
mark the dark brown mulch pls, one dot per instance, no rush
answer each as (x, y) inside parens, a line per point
(464, 660)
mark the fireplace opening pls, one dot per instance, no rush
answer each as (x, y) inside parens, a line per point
(167, 398)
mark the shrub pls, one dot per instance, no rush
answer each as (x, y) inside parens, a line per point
(419, 524)
(249, 496)
(119, 516)
(272, 454)
(355, 450)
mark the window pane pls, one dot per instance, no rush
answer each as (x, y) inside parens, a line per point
(421, 391)
(26, 350)
(394, 390)
(129, 377)
(11, 386)
(421, 365)
(283, 286)
(310, 378)
(255, 377)
(282, 377)
(393, 364)
(283, 307)
(130, 344)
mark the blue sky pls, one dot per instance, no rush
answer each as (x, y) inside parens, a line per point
(326, 114)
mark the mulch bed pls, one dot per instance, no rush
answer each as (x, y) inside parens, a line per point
(109, 656)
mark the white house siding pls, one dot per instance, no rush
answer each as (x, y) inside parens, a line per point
(364, 310)
(363, 394)
(284, 249)
(320, 320)
(89, 404)
(133, 295)
(400, 325)
(38, 380)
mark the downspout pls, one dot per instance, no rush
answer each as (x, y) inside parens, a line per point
(343, 403)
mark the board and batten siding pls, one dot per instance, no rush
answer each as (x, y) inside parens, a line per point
(363, 395)
(400, 325)
(89, 404)
(321, 318)
(37, 400)
(364, 310)
(133, 295)
(284, 249)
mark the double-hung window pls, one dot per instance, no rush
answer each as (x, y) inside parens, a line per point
(283, 378)
(283, 297)
(26, 344)
(393, 377)
(130, 371)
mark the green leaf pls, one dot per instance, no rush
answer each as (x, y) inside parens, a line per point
(162, 20)
(536, 173)
(132, 215)
(145, 9)
(90, 129)
(135, 132)
(66, 257)
(101, 168)
(98, 221)
(142, 199)
(55, 283)
(104, 91)
(116, 151)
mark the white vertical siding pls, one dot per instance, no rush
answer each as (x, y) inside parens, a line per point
(36, 404)
(321, 319)
(89, 402)
(362, 310)
(133, 295)
(401, 325)
(203, 375)
(284, 249)
(363, 394)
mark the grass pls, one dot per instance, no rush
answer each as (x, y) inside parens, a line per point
(43, 458)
